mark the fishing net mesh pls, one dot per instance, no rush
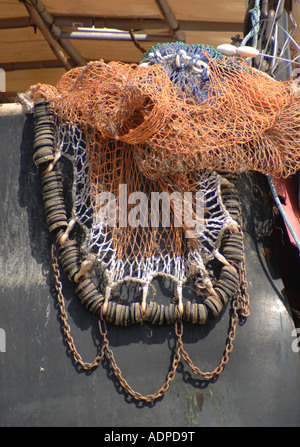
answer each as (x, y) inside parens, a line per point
(245, 120)
(167, 125)
(154, 149)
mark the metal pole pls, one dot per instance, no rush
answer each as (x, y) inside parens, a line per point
(112, 36)
(67, 46)
(170, 20)
(48, 36)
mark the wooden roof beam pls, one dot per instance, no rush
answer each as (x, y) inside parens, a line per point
(39, 22)
(31, 65)
(40, 13)
(170, 19)
(15, 22)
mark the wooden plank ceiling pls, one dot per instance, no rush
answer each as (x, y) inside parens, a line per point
(39, 40)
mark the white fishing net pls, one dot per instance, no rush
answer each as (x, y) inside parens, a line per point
(200, 242)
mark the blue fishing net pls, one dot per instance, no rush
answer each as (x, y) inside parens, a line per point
(186, 65)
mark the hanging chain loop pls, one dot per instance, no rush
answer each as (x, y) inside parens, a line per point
(64, 318)
(239, 304)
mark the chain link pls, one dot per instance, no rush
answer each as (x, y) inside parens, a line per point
(239, 303)
(242, 293)
(228, 347)
(105, 349)
(118, 373)
(240, 306)
(64, 318)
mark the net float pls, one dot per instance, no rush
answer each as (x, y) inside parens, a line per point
(247, 51)
(227, 49)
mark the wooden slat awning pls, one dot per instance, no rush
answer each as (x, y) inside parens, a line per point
(27, 56)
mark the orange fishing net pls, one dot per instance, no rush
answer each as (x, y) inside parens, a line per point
(143, 131)
(246, 122)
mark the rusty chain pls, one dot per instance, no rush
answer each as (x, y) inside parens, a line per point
(105, 349)
(64, 318)
(239, 304)
(150, 397)
(242, 292)
(228, 347)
